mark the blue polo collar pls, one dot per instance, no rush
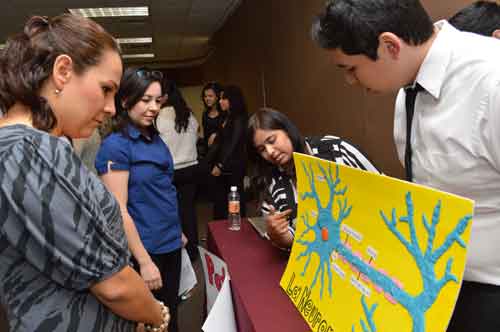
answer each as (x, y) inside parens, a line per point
(135, 133)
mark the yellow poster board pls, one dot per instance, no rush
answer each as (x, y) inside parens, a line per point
(374, 253)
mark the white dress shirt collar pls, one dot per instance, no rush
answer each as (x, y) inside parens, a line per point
(432, 72)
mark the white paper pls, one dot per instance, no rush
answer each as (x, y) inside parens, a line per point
(215, 271)
(188, 276)
(221, 317)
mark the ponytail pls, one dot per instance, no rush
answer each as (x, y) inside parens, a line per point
(24, 66)
(27, 61)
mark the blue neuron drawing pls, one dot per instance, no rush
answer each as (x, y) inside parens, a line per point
(326, 238)
(371, 327)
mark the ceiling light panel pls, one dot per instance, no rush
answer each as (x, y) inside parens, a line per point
(144, 40)
(137, 56)
(110, 11)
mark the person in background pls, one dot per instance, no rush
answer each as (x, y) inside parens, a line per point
(450, 140)
(137, 167)
(64, 261)
(178, 128)
(481, 17)
(212, 117)
(272, 139)
(86, 149)
(230, 161)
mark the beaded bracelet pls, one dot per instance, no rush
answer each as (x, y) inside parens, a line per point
(164, 324)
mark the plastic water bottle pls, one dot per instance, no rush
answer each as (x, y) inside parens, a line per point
(234, 209)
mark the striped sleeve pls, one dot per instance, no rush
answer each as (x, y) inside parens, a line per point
(267, 205)
(276, 201)
(354, 158)
(349, 155)
(51, 220)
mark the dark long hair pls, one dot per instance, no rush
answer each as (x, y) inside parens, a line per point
(134, 83)
(177, 101)
(237, 104)
(27, 60)
(269, 119)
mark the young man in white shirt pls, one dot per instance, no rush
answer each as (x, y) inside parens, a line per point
(387, 45)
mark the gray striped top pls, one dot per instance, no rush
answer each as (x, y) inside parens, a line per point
(60, 233)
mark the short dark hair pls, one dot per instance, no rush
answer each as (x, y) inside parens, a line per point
(28, 58)
(269, 119)
(135, 81)
(482, 17)
(354, 26)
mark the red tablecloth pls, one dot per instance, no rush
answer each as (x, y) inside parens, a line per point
(255, 267)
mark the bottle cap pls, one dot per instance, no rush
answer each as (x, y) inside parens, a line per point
(234, 188)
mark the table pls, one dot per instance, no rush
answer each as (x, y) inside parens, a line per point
(255, 267)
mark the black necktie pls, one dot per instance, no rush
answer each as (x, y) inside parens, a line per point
(411, 95)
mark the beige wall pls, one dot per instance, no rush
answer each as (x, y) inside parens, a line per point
(266, 46)
(192, 96)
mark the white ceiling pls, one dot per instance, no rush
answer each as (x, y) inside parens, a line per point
(181, 29)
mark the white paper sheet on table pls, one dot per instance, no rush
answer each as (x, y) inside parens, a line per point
(218, 289)
(221, 317)
(215, 271)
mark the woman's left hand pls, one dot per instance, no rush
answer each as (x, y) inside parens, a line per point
(216, 171)
(151, 275)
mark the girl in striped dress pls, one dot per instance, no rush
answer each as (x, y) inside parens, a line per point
(272, 140)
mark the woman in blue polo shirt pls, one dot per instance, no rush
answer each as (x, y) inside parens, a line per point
(136, 165)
